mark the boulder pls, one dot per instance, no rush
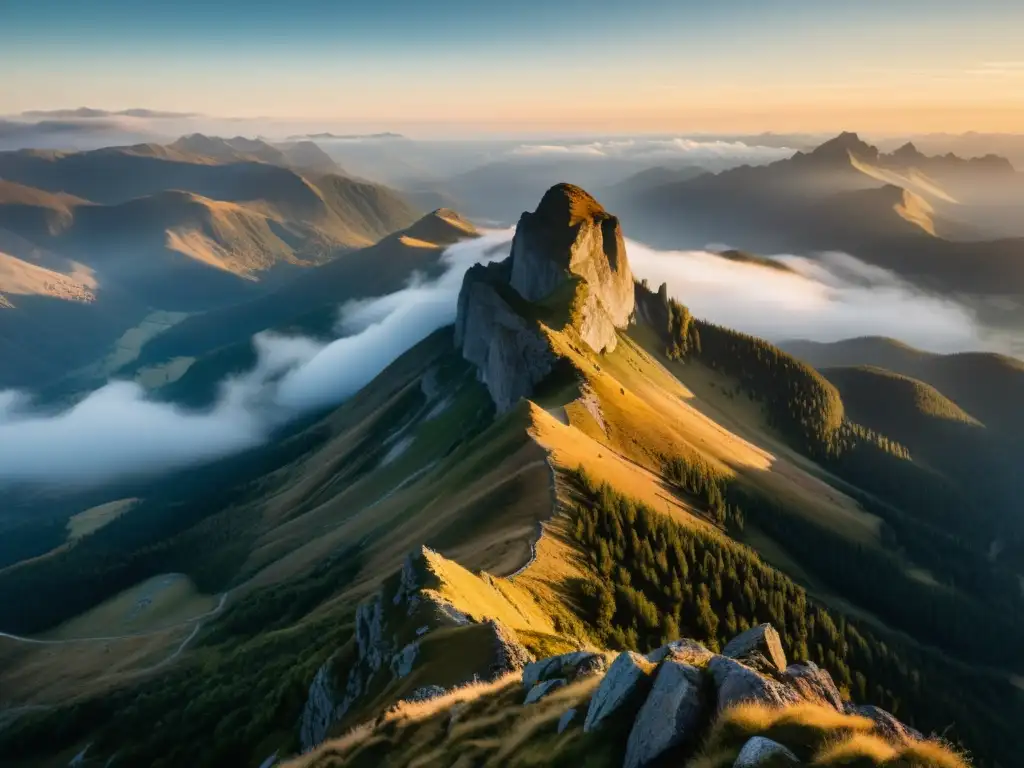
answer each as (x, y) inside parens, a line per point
(566, 718)
(736, 682)
(540, 690)
(689, 651)
(595, 664)
(760, 752)
(761, 639)
(625, 675)
(814, 684)
(566, 663)
(885, 723)
(670, 716)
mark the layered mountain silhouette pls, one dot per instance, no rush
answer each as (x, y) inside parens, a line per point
(186, 227)
(925, 218)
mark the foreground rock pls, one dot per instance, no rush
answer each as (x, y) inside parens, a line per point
(814, 684)
(621, 682)
(670, 716)
(760, 752)
(540, 690)
(736, 683)
(762, 639)
(565, 665)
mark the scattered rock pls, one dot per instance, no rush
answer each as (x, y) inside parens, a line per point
(760, 752)
(509, 654)
(763, 639)
(566, 663)
(566, 718)
(541, 690)
(814, 684)
(736, 682)
(688, 651)
(669, 717)
(621, 681)
(594, 664)
(886, 723)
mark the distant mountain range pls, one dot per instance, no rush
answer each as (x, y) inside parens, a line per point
(199, 223)
(925, 218)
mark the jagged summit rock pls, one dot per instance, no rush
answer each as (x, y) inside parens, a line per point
(570, 234)
(568, 261)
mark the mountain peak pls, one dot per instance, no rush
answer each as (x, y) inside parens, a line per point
(568, 262)
(844, 145)
(568, 204)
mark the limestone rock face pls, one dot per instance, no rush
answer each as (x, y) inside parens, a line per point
(762, 639)
(571, 234)
(622, 680)
(814, 684)
(760, 752)
(508, 349)
(737, 682)
(669, 717)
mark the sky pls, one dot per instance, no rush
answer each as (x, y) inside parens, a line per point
(558, 66)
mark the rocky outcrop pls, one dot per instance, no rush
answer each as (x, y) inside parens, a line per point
(689, 651)
(565, 665)
(390, 628)
(814, 684)
(508, 349)
(736, 683)
(571, 234)
(762, 639)
(509, 654)
(760, 752)
(621, 682)
(670, 716)
(569, 245)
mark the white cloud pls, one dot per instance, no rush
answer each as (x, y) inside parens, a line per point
(117, 430)
(659, 149)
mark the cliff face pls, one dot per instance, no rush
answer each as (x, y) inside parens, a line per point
(570, 251)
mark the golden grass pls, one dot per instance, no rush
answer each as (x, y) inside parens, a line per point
(859, 749)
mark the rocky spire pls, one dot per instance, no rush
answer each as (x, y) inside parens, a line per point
(568, 244)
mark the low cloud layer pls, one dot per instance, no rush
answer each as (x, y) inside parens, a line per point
(698, 152)
(118, 431)
(829, 297)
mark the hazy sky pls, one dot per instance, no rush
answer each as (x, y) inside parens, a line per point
(559, 65)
